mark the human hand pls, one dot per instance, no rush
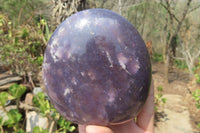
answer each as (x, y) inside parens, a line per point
(144, 123)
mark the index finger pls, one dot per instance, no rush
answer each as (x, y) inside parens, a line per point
(145, 119)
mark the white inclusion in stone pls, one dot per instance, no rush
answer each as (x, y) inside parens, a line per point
(119, 40)
(109, 59)
(54, 43)
(69, 55)
(96, 21)
(82, 73)
(58, 53)
(53, 49)
(70, 100)
(136, 66)
(84, 119)
(72, 58)
(111, 96)
(82, 23)
(46, 66)
(68, 91)
(122, 61)
(61, 30)
(140, 89)
(74, 81)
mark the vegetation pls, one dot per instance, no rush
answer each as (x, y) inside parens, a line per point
(41, 104)
(47, 109)
(22, 43)
(26, 26)
(159, 99)
(157, 57)
(22, 47)
(13, 115)
(196, 96)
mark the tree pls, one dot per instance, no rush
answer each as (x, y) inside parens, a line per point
(170, 45)
(189, 48)
(65, 8)
(23, 11)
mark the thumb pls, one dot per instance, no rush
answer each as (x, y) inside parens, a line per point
(98, 129)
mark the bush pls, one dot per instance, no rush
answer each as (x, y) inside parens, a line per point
(180, 64)
(47, 109)
(22, 47)
(157, 57)
(14, 115)
(159, 99)
(196, 96)
(41, 103)
(197, 78)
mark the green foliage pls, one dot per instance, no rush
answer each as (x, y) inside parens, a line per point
(13, 118)
(21, 10)
(17, 90)
(157, 57)
(160, 88)
(21, 49)
(65, 125)
(197, 78)
(39, 130)
(198, 125)
(1, 121)
(180, 64)
(23, 46)
(3, 98)
(19, 131)
(23, 38)
(41, 101)
(159, 99)
(196, 96)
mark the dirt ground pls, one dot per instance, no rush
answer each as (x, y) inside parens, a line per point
(179, 114)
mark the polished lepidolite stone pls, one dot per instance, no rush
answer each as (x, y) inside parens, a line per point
(97, 69)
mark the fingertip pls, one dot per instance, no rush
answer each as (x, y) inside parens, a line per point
(145, 119)
(98, 129)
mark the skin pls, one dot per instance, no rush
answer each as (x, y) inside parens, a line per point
(144, 123)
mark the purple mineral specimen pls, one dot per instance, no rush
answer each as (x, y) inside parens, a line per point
(97, 69)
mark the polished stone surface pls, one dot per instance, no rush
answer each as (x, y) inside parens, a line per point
(96, 68)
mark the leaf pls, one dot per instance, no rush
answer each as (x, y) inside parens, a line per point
(13, 117)
(198, 125)
(71, 128)
(61, 122)
(66, 125)
(160, 88)
(1, 121)
(17, 90)
(40, 60)
(164, 100)
(45, 107)
(19, 131)
(37, 129)
(198, 106)
(40, 101)
(3, 98)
